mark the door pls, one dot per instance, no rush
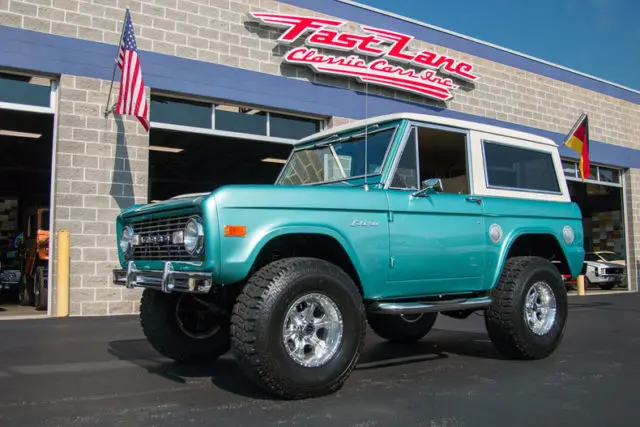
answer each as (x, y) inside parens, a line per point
(437, 239)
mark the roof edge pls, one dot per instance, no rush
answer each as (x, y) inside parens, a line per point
(485, 43)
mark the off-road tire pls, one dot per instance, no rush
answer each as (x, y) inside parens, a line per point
(40, 290)
(396, 329)
(162, 330)
(25, 294)
(607, 286)
(257, 327)
(505, 318)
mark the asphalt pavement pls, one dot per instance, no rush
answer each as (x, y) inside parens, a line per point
(101, 372)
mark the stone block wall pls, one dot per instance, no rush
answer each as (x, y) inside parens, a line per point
(98, 174)
(101, 167)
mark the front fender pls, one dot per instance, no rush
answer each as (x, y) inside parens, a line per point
(240, 257)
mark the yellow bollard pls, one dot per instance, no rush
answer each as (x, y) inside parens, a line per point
(62, 274)
(580, 284)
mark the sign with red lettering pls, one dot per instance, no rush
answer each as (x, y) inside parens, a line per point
(373, 54)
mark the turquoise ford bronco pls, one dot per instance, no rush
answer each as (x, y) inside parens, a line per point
(385, 222)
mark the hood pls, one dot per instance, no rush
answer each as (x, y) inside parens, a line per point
(178, 202)
(268, 196)
(603, 264)
(321, 197)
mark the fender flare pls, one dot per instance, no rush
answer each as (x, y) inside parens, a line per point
(276, 232)
(508, 244)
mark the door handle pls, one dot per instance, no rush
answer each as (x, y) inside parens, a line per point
(475, 199)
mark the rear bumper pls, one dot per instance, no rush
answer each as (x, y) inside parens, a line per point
(166, 280)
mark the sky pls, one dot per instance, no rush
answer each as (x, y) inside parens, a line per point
(597, 37)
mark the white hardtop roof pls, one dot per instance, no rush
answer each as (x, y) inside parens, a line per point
(436, 120)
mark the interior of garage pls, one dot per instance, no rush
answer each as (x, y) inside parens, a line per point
(25, 174)
(182, 162)
(197, 146)
(601, 201)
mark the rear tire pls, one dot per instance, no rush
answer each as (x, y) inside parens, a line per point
(527, 317)
(40, 290)
(175, 328)
(402, 328)
(25, 291)
(274, 317)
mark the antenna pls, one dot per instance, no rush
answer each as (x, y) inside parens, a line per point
(366, 128)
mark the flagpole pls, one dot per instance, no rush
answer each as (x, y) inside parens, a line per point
(573, 129)
(106, 110)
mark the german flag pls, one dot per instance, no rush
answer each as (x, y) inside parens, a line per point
(578, 141)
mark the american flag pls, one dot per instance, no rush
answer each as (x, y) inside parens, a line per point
(131, 99)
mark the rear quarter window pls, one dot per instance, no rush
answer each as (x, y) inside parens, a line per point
(512, 167)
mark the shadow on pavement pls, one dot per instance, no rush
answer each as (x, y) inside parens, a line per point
(226, 375)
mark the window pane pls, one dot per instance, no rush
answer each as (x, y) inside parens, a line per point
(241, 119)
(514, 167)
(291, 127)
(406, 175)
(25, 90)
(180, 112)
(569, 169)
(609, 175)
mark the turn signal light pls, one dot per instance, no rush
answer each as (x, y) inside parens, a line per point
(235, 230)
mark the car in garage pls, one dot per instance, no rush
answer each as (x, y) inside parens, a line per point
(603, 269)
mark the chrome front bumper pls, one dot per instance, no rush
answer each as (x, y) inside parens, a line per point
(166, 280)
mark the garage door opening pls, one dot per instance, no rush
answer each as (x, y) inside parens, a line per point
(601, 201)
(198, 146)
(182, 162)
(25, 186)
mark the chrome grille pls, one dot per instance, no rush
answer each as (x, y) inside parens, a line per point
(156, 243)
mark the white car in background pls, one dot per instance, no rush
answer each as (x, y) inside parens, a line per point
(605, 269)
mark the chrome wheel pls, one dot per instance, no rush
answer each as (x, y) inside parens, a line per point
(411, 318)
(540, 308)
(195, 317)
(312, 330)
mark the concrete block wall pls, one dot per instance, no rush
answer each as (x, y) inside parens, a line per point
(101, 167)
(217, 31)
(98, 174)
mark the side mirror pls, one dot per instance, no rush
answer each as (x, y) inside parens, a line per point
(430, 186)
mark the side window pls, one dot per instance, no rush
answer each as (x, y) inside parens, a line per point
(519, 168)
(443, 154)
(406, 175)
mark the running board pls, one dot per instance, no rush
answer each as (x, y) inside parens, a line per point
(429, 307)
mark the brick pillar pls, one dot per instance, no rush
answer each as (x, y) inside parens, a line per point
(102, 166)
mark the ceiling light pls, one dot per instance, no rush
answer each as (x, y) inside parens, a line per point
(272, 160)
(165, 149)
(20, 134)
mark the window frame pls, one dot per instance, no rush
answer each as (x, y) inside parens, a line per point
(482, 187)
(322, 121)
(485, 141)
(30, 108)
(411, 125)
(576, 176)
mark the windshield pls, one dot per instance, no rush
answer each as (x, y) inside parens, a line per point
(338, 158)
(610, 256)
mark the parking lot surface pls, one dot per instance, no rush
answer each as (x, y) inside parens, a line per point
(101, 372)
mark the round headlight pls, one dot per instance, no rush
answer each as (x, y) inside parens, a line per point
(193, 236)
(125, 239)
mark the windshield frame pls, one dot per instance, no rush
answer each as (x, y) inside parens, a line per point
(606, 254)
(333, 138)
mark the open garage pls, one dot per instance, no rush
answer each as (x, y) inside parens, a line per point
(26, 135)
(601, 200)
(197, 146)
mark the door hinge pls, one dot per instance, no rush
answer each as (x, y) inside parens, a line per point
(392, 262)
(390, 216)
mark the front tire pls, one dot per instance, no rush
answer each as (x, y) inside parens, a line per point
(527, 317)
(182, 328)
(402, 328)
(298, 328)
